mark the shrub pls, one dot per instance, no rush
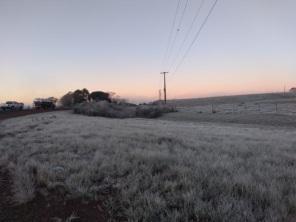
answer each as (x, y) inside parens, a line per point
(122, 110)
(153, 111)
(104, 109)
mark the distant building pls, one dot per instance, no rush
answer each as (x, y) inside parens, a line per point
(48, 103)
(292, 90)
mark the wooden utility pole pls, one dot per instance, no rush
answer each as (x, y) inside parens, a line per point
(164, 85)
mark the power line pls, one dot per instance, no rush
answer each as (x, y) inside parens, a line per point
(171, 33)
(196, 35)
(188, 32)
(178, 28)
(183, 13)
(171, 46)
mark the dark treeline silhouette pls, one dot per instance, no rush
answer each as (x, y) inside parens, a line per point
(83, 95)
(99, 96)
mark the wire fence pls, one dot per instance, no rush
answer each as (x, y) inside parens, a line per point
(251, 108)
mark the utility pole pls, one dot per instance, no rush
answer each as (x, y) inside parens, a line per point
(159, 95)
(164, 86)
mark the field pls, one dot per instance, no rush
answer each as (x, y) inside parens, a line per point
(275, 110)
(237, 99)
(188, 169)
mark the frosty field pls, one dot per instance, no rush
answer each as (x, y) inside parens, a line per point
(271, 109)
(155, 170)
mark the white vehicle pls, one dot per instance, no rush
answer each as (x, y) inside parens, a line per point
(12, 105)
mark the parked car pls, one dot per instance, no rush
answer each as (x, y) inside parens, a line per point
(12, 105)
(48, 103)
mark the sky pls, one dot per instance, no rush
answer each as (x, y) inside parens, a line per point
(50, 47)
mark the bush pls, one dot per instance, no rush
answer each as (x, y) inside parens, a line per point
(153, 111)
(104, 109)
(122, 110)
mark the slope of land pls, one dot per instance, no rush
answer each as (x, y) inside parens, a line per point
(276, 110)
(236, 99)
(154, 170)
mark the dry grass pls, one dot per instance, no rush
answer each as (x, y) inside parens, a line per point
(275, 110)
(236, 99)
(154, 170)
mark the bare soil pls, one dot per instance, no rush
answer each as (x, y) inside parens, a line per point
(52, 208)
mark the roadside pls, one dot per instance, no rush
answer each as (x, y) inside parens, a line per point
(48, 205)
(13, 114)
(52, 207)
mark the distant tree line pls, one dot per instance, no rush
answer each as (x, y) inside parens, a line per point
(83, 95)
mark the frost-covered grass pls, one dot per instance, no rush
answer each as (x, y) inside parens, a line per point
(155, 170)
(236, 99)
(271, 103)
(266, 119)
(262, 109)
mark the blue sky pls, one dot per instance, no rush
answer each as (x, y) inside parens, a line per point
(49, 47)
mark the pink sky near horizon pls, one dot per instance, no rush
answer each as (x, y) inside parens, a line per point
(144, 92)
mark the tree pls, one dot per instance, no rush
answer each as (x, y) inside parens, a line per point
(99, 96)
(67, 100)
(85, 93)
(80, 96)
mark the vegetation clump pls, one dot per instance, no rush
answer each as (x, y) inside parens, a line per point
(71, 99)
(108, 104)
(105, 109)
(153, 111)
(121, 110)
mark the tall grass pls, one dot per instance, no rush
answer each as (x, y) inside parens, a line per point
(153, 170)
